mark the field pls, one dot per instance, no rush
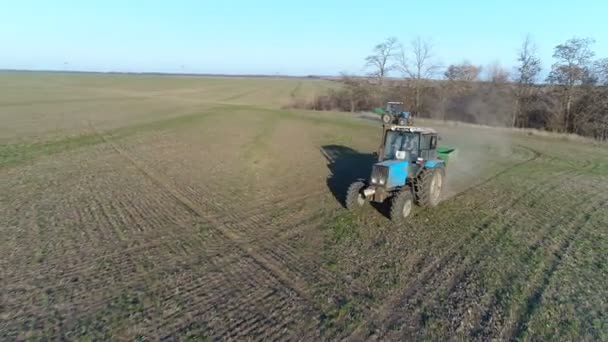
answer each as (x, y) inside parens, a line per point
(176, 208)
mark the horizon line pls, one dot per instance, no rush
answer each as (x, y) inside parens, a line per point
(168, 73)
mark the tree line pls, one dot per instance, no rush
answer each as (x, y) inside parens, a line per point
(573, 98)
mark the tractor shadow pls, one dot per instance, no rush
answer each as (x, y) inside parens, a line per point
(346, 166)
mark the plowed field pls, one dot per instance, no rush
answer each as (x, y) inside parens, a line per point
(173, 208)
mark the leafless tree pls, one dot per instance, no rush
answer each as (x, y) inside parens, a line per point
(355, 92)
(381, 60)
(496, 74)
(601, 71)
(416, 62)
(576, 101)
(528, 68)
(571, 69)
(529, 64)
(462, 72)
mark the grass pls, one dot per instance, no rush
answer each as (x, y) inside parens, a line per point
(15, 154)
(18, 153)
(342, 228)
(224, 221)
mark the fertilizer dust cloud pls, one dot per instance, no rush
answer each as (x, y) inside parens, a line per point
(478, 150)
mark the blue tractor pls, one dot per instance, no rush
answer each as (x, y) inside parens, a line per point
(394, 114)
(410, 169)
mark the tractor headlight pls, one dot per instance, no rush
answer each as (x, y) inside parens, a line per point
(379, 175)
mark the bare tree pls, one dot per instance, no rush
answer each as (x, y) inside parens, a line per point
(355, 91)
(571, 69)
(463, 72)
(601, 71)
(380, 60)
(416, 63)
(576, 101)
(528, 68)
(496, 74)
(529, 64)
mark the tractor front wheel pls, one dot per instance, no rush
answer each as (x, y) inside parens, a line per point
(354, 198)
(387, 118)
(401, 206)
(428, 186)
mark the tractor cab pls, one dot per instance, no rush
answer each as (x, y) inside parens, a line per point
(408, 143)
(404, 151)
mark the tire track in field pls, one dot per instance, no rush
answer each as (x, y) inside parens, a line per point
(256, 222)
(260, 223)
(279, 203)
(451, 255)
(460, 295)
(258, 233)
(87, 229)
(252, 222)
(535, 155)
(209, 290)
(128, 275)
(434, 275)
(478, 260)
(476, 201)
(278, 259)
(237, 314)
(536, 294)
(227, 204)
(300, 288)
(235, 309)
(258, 230)
(125, 274)
(311, 272)
(295, 269)
(65, 264)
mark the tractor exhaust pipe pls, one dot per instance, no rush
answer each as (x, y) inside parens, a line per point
(369, 192)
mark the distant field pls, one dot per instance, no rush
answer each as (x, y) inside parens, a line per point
(171, 208)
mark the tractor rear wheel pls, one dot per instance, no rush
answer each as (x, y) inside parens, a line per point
(401, 206)
(354, 198)
(428, 186)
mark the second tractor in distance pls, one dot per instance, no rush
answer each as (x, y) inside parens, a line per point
(394, 114)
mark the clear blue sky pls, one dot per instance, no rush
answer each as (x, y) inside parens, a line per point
(288, 37)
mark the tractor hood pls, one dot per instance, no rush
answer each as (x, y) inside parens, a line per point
(390, 173)
(393, 163)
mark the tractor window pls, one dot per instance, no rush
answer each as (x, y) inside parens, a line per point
(400, 141)
(411, 142)
(433, 142)
(394, 108)
(393, 143)
(427, 142)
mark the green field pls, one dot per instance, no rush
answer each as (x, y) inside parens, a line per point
(174, 208)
